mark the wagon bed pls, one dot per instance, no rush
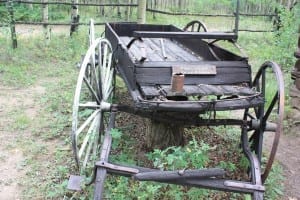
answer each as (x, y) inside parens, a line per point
(148, 59)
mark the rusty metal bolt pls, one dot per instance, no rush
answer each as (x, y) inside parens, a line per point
(177, 83)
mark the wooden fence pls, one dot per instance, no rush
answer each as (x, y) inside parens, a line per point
(44, 3)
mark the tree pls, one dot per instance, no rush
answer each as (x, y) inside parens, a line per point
(12, 23)
(74, 18)
(141, 11)
(45, 20)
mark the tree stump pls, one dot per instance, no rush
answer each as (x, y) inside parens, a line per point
(160, 135)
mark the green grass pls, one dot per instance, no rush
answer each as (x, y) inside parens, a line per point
(46, 145)
(48, 155)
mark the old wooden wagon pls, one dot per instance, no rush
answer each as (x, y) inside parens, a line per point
(175, 76)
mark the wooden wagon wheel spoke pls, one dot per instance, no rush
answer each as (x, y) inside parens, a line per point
(88, 136)
(91, 100)
(86, 122)
(268, 117)
(195, 26)
(271, 107)
(93, 92)
(249, 115)
(90, 104)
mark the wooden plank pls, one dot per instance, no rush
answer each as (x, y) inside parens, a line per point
(149, 91)
(179, 175)
(168, 71)
(229, 78)
(182, 53)
(192, 35)
(201, 90)
(204, 69)
(174, 50)
(125, 41)
(153, 51)
(169, 55)
(218, 64)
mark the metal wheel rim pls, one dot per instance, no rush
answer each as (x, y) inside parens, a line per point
(199, 25)
(279, 96)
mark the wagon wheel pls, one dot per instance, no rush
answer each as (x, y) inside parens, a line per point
(268, 118)
(195, 26)
(92, 100)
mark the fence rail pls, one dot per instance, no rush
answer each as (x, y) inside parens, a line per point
(188, 14)
(211, 15)
(75, 23)
(70, 3)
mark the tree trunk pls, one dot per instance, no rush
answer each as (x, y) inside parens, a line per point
(102, 11)
(74, 18)
(12, 24)
(130, 8)
(162, 135)
(119, 9)
(142, 11)
(127, 11)
(45, 20)
(155, 6)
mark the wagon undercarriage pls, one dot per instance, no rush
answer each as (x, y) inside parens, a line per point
(175, 77)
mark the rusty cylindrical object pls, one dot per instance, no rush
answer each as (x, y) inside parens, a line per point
(177, 83)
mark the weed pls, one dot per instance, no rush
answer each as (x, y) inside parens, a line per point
(227, 165)
(21, 121)
(274, 183)
(192, 155)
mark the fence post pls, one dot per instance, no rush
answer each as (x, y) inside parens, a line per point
(74, 18)
(12, 24)
(142, 11)
(237, 17)
(128, 10)
(45, 21)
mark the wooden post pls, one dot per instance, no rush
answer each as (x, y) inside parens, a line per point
(45, 21)
(74, 18)
(237, 17)
(102, 9)
(128, 11)
(12, 24)
(141, 11)
(161, 135)
(154, 7)
(119, 9)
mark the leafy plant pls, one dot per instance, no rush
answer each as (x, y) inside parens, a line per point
(193, 155)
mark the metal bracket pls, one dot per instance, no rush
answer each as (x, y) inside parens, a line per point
(75, 183)
(114, 167)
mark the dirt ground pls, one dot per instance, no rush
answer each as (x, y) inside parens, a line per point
(288, 156)
(11, 156)
(11, 169)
